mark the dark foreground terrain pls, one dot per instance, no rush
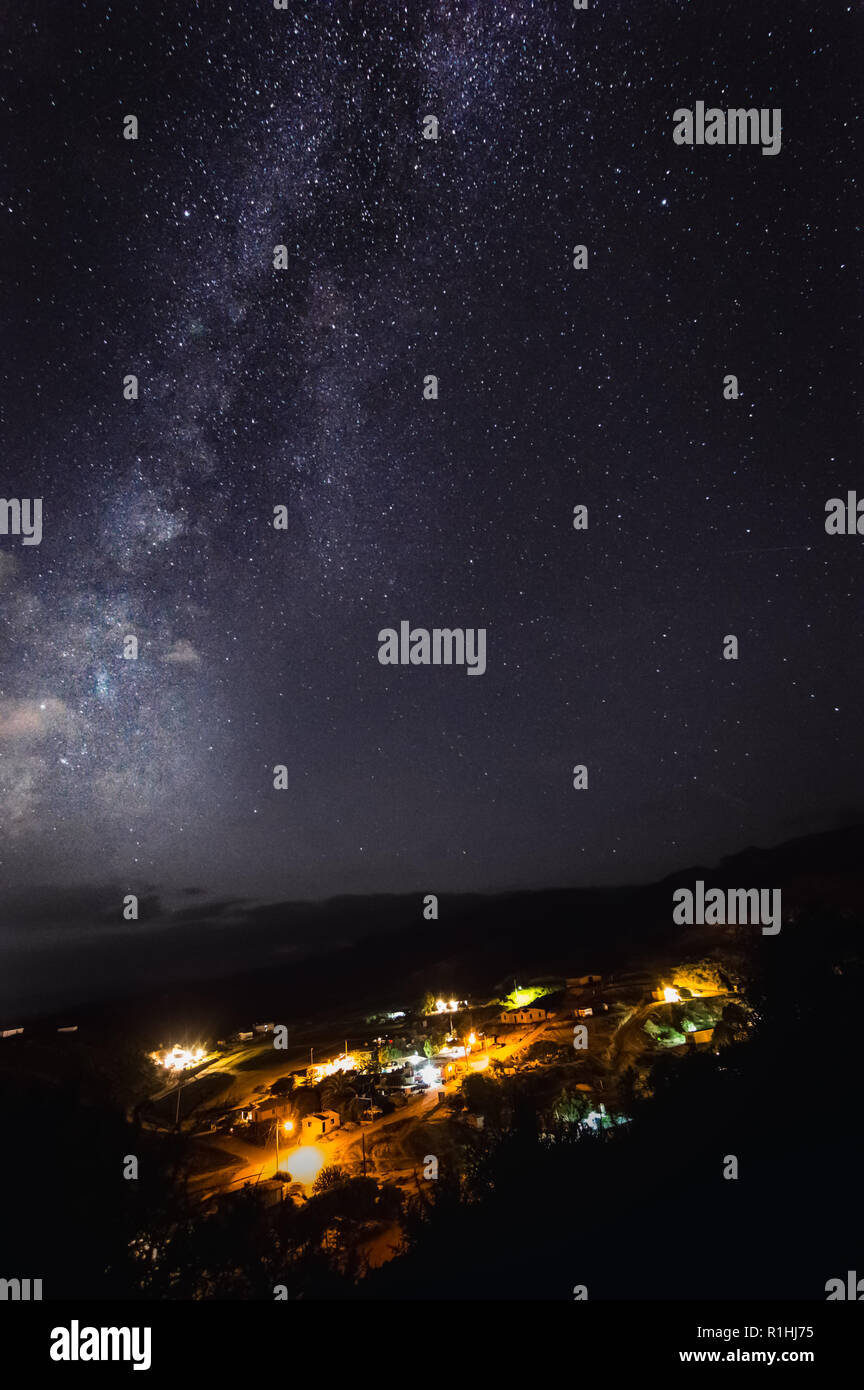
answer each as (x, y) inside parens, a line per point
(537, 1204)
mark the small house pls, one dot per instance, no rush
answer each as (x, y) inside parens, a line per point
(271, 1109)
(530, 1014)
(317, 1125)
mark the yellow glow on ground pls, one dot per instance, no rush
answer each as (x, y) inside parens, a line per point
(304, 1164)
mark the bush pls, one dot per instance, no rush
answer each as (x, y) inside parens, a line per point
(330, 1176)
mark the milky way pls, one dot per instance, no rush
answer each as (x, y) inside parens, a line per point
(303, 388)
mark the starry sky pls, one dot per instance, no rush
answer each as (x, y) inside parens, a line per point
(303, 388)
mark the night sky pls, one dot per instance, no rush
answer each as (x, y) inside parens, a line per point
(304, 388)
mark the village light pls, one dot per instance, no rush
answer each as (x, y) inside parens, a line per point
(345, 1062)
(179, 1058)
(520, 998)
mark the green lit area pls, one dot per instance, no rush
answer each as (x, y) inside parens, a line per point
(520, 998)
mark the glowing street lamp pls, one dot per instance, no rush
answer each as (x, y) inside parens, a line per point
(288, 1127)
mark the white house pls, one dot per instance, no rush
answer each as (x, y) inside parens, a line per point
(316, 1126)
